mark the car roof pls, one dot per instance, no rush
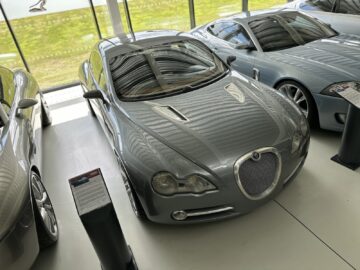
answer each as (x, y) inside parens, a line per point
(248, 16)
(150, 38)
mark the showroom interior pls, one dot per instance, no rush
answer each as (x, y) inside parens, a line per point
(179, 134)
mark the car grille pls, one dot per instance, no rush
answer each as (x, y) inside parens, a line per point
(258, 172)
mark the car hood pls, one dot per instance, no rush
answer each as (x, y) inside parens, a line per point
(334, 59)
(216, 124)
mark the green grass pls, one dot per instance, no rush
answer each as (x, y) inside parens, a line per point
(55, 44)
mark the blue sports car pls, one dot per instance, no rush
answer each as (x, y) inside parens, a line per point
(294, 53)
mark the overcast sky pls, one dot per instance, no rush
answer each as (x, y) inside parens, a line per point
(20, 8)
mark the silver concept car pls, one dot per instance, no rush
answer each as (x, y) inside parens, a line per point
(195, 140)
(27, 219)
(294, 53)
(342, 15)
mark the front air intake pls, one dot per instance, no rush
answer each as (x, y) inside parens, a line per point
(257, 173)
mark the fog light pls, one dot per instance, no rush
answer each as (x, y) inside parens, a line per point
(179, 215)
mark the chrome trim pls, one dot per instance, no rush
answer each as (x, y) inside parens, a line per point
(203, 213)
(248, 156)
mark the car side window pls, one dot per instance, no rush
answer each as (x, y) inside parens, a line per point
(7, 89)
(231, 32)
(348, 7)
(98, 71)
(102, 82)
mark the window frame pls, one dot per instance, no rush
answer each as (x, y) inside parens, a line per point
(244, 26)
(101, 73)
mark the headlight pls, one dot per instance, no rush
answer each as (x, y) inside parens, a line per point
(166, 184)
(332, 89)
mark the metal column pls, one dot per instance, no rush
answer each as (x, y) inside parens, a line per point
(95, 18)
(128, 19)
(192, 14)
(245, 5)
(116, 21)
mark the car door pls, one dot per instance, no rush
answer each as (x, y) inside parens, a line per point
(228, 38)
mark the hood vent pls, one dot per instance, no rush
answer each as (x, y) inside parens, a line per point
(171, 112)
(233, 90)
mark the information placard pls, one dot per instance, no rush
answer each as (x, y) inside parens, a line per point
(89, 192)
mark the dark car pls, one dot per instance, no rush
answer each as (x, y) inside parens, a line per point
(196, 141)
(27, 218)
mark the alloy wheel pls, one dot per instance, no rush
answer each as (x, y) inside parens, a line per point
(44, 206)
(296, 95)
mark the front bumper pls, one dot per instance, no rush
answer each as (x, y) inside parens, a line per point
(19, 248)
(331, 111)
(228, 201)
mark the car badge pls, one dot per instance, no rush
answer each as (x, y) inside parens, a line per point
(256, 156)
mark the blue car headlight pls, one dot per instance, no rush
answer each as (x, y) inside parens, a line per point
(332, 89)
(167, 184)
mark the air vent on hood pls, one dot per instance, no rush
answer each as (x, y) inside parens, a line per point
(171, 112)
(233, 90)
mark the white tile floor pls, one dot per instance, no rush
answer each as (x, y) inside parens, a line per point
(313, 224)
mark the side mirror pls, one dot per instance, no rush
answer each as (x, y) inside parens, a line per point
(94, 94)
(230, 59)
(25, 104)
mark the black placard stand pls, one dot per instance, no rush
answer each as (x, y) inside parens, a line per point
(349, 153)
(98, 216)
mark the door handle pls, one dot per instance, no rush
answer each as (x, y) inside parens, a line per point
(256, 74)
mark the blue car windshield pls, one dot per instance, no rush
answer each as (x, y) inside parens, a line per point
(287, 30)
(164, 70)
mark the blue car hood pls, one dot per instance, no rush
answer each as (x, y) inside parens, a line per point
(334, 59)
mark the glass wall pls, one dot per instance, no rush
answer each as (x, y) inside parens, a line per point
(54, 38)
(265, 4)
(159, 14)
(57, 36)
(208, 10)
(9, 55)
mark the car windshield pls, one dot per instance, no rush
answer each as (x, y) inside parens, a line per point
(164, 69)
(287, 30)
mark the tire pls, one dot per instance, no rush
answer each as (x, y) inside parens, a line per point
(45, 115)
(45, 219)
(298, 94)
